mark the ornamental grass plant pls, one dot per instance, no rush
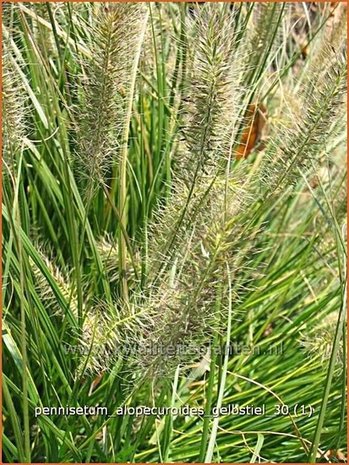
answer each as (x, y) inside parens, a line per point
(174, 231)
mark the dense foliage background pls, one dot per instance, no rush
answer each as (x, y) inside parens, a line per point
(174, 177)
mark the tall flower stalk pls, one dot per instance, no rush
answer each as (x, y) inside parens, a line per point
(106, 86)
(103, 128)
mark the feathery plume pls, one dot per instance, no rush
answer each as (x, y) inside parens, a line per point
(198, 231)
(209, 114)
(318, 341)
(45, 290)
(108, 250)
(105, 89)
(13, 109)
(185, 297)
(293, 149)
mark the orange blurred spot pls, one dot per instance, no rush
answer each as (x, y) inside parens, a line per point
(254, 122)
(96, 382)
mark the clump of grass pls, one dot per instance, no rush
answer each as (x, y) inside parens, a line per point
(164, 246)
(287, 154)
